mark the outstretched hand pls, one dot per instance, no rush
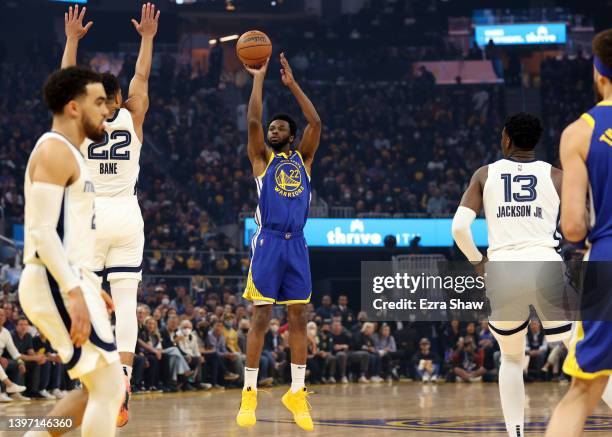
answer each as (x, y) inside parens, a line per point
(258, 72)
(73, 23)
(149, 21)
(286, 72)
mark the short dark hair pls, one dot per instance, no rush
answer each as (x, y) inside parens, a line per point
(524, 130)
(602, 47)
(111, 84)
(65, 85)
(288, 119)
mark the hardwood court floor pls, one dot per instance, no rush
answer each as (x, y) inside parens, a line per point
(351, 410)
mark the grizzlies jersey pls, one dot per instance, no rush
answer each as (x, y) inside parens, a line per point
(599, 166)
(76, 226)
(521, 205)
(284, 194)
(114, 162)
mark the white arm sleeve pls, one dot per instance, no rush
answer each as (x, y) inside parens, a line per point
(462, 233)
(7, 339)
(45, 204)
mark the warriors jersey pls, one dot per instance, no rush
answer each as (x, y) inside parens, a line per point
(114, 162)
(599, 164)
(521, 205)
(284, 194)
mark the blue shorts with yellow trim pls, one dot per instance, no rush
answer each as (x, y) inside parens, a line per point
(280, 268)
(590, 353)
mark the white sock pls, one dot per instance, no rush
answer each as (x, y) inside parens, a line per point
(127, 370)
(512, 393)
(298, 375)
(250, 377)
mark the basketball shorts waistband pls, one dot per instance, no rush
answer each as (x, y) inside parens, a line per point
(284, 235)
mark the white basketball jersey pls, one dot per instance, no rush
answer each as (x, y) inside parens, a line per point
(521, 205)
(76, 227)
(114, 162)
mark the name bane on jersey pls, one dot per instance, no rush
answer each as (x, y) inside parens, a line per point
(518, 211)
(108, 168)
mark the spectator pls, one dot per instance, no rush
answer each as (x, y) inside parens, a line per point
(326, 310)
(325, 355)
(341, 340)
(10, 274)
(230, 360)
(348, 317)
(274, 347)
(362, 351)
(52, 371)
(189, 344)
(178, 369)
(312, 349)
(406, 339)
(467, 360)
(33, 361)
(536, 349)
(387, 350)
(150, 345)
(10, 369)
(426, 363)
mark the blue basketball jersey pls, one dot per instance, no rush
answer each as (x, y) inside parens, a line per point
(599, 166)
(284, 194)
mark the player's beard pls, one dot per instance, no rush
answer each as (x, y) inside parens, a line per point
(92, 131)
(279, 145)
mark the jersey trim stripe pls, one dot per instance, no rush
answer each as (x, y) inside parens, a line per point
(63, 312)
(589, 119)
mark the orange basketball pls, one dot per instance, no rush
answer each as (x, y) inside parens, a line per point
(253, 48)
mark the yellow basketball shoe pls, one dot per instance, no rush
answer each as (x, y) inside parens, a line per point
(246, 415)
(299, 406)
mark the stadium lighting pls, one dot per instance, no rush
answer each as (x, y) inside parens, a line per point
(212, 41)
(228, 38)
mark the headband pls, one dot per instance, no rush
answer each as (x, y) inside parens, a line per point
(602, 68)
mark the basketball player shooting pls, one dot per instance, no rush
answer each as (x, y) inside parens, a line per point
(114, 164)
(280, 268)
(57, 292)
(586, 156)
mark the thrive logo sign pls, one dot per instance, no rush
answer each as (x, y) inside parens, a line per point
(541, 36)
(356, 235)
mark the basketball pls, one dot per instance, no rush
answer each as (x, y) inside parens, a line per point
(253, 48)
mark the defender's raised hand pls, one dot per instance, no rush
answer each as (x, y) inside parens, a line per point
(148, 21)
(258, 72)
(73, 23)
(286, 72)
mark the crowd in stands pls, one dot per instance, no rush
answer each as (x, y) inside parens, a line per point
(184, 346)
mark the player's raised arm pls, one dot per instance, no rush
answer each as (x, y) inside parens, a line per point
(573, 152)
(138, 94)
(73, 26)
(470, 206)
(312, 133)
(256, 145)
